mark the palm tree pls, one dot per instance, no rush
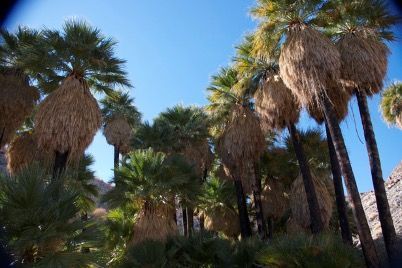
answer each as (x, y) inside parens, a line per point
(278, 109)
(362, 27)
(150, 180)
(239, 153)
(40, 223)
(310, 67)
(120, 117)
(18, 96)
(68, 118)
(391, 104)
(185, 132)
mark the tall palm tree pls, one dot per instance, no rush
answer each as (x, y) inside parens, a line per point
(391, 104)
(120, 118)
(222, 100)
(278, 109)
(18, 96)
(150, 180)
(310, 67)
(82, 59)
(341, 110)
(361, 29)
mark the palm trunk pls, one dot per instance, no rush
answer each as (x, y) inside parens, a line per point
(2, 134)
(339, 193)
(262, 229)
(190, 221)
(84, 218)
(116, 158)
(184, 215)
(202, 217)
(384, 213)
(366, 240)
(315, 215)
(60, 162)
(245, 228)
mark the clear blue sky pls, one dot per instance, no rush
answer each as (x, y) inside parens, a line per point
(173, 47)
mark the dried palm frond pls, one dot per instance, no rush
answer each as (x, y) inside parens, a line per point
(276, 105)
(242, 141)
(17, 101)
(200, 156)
(22, 151)
(309, 64)
(299, 205)
(364, 61)
(67, 120)
(274, 199)
(340, 100)
(224, 220)
(118, 132)
(155, 222)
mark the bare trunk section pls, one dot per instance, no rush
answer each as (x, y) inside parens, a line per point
(384, 213)
(369, 251)
(116, 158)
(339, 193)
(184, 215)
(245, 228)
(190, 221)
(261, 225)
(315, 215)
(60, 163)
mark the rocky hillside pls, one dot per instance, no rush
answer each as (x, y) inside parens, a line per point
(393, 187)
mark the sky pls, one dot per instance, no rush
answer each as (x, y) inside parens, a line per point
(173, 47)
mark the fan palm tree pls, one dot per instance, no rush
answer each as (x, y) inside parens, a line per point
(18, 96)
(240, 143)
(310, 67)
(120, 117)
(391, 104)
(278, 109)
(361, 29)
(83, 60)
(40, 223)
(150, 180)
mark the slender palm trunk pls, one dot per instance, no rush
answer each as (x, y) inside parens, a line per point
(315, 216)
(202, 217)
(2, 134)
(184, 215)
(190, 221)
(245, 228)
(339, 193)
(116, 158)
(262, 228)
(366, 240)
(384, 213)
(60, 163)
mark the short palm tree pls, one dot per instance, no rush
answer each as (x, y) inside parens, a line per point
(40, 221)
(120, 118)
(150, 180)
(391, 104)
(68, 118)
(361, 28)
(18, 97)
(310, 67)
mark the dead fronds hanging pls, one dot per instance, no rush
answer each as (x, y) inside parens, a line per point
(17, 101)
(276, 105)
(67, 120)
(309, 64)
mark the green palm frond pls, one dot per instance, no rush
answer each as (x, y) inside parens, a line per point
(120, 104)
(146, 175)
(391, 103)
(39, 217)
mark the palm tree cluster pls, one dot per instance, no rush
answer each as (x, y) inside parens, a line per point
(245, 183)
